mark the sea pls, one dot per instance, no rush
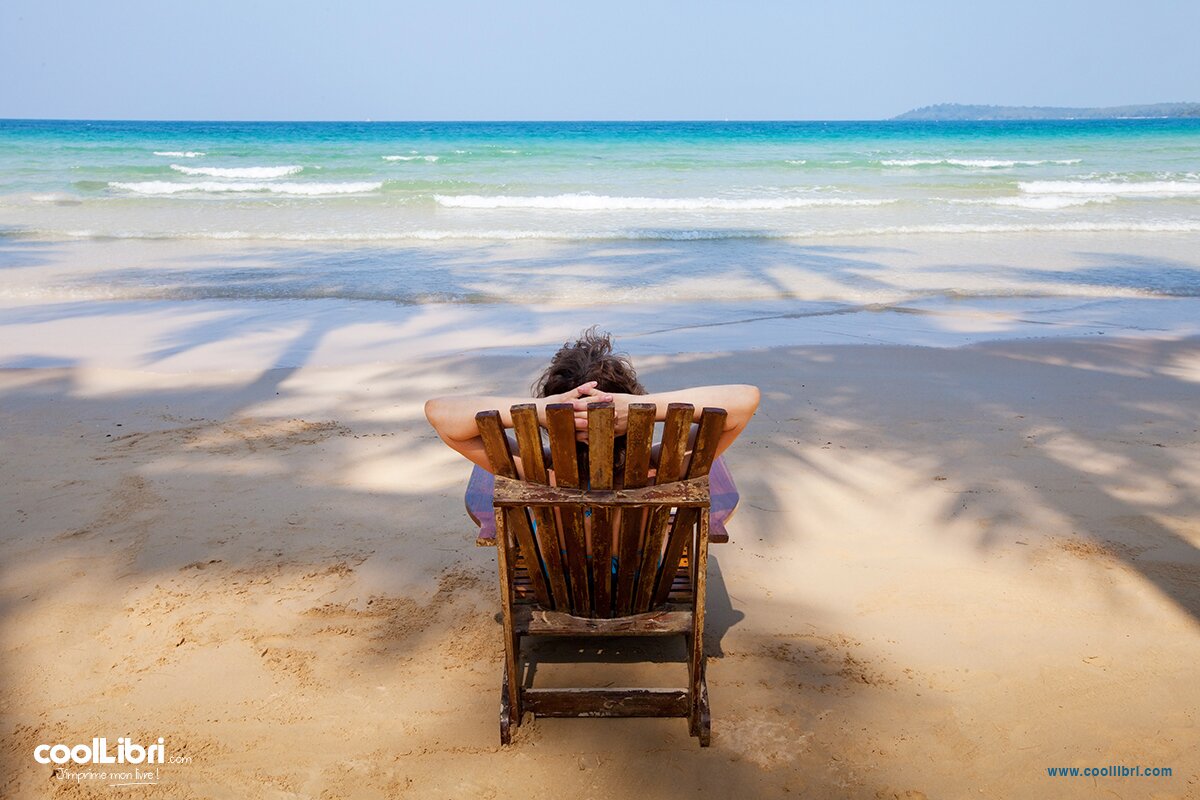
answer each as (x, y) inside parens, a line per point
(822, 215)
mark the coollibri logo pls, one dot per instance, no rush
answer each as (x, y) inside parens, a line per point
(127, 752)
(129, 763)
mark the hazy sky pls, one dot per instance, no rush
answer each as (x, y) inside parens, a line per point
(475, 59)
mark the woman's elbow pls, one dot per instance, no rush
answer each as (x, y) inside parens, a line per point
(745, 403)
(748, 398)
(437, 413)
(432, 408)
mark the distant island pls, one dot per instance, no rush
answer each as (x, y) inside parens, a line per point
(958, 111)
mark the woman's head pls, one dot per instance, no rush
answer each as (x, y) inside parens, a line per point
(589, 358)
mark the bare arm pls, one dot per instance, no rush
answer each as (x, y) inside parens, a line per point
(453, 417)
(740, 401)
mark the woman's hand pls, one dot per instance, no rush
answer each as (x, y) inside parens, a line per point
(621, 411)
(580, 398)
(589, 395)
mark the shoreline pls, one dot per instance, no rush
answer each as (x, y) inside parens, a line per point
(184, 306)
(183, 336)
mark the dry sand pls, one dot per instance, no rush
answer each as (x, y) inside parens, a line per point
(951, 569)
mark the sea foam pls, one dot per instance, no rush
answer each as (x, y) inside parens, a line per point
(1118, 188)
(430, 159)
(637, 234)
(179, 153)
(1050, 202)
(1047, 202)
(238, 172)
(588, 202)
(983, 163)
(308, 189)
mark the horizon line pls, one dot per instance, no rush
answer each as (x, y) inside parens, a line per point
(473, 119)
(481, 121)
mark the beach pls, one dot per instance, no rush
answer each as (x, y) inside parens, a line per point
(967, 550)
(952, 568)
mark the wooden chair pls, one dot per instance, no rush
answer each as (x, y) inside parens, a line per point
(638, 571)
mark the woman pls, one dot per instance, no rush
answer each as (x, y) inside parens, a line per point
(583, 373)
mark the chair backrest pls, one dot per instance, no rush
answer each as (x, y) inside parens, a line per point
(608, 539)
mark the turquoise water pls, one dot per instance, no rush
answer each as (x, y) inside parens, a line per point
(293, 187)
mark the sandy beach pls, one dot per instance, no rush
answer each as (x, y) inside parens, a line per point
(952, 569)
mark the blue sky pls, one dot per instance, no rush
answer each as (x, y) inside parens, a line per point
(261, 59)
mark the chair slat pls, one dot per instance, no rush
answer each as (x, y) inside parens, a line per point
(529, 442)
(670, 463)
(712, 425)
(495, 445)
(560, 422)
(639, 439)
(601, 418)
(600, 465)
(674, 442)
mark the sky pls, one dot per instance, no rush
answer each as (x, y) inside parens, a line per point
(538, 60)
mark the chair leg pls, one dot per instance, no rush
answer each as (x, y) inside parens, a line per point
(693, 695)
(703, 718)
(505, 712)
(699, 721)
(510, 705)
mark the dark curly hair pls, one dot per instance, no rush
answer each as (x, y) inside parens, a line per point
(589, 358)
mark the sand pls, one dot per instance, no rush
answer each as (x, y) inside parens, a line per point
(952, 568)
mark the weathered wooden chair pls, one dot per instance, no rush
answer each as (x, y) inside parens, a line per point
(638, 568)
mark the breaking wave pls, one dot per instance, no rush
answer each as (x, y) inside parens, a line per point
(307, 189)
(1117, 188)
(983, 163)
(588, 202)
(238, 172)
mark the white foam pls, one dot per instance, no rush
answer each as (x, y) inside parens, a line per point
(1048, 202)
(635, 234)
(1118, 188)
(1051, 201)
(54, 197)
(179, 153)
(588, 202)
(660, 234)
(239, 172)
(430, 159)
(308, 189)
(1165, 226)
(351, 236)
(797, 161)
(984, 163)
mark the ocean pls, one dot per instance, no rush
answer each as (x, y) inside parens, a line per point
(579, 213)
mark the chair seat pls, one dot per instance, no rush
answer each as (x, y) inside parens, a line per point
(681, 586)
(671, 620)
